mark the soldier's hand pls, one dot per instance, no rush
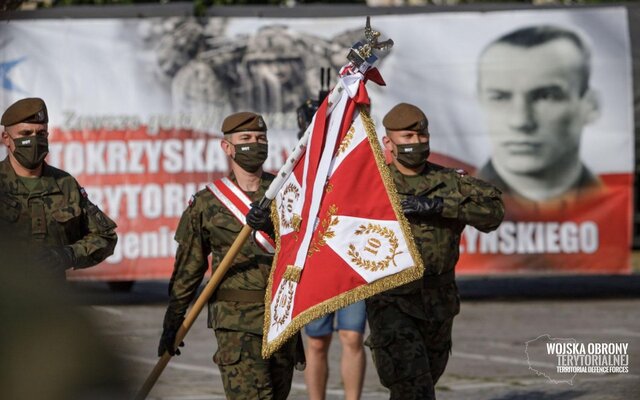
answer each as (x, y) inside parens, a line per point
(259, 218)
(422, 206)
(55, 257)
(167, 342)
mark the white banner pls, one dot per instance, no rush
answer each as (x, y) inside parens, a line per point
(136, 105)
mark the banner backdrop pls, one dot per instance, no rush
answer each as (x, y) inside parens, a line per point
(136, 106)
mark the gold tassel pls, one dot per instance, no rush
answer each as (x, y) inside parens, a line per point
(292, 273)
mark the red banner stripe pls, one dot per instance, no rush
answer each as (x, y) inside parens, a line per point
(333, 275)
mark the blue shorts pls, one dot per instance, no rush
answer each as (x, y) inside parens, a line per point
(351, 318)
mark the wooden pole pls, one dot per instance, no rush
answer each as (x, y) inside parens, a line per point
(194, 311)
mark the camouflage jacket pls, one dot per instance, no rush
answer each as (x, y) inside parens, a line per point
(56, 212)
(467, 201)
(207, 227)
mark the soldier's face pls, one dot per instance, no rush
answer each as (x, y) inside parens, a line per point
(22, 130)
(534, 105)
(229, 142)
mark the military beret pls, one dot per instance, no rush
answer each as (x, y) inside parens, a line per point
(405, 117)
(243, 122)
(31, 110)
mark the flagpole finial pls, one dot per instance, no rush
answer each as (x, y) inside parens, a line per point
(362, 54)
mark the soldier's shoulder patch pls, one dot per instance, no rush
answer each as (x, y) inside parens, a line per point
(192, 200)
(83, 193)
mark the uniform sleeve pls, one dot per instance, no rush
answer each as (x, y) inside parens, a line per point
(99, 239)
(475, 203)
(190, 264)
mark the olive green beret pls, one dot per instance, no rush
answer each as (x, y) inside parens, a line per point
(243, 122)
(405, 117)
(31, 110)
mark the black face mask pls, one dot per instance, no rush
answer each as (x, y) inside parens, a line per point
(30, 151)
(413, 155)
(251, 156)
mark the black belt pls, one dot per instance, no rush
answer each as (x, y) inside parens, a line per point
(436, 281)
(244, 296)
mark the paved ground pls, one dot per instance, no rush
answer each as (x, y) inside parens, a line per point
(488, 361)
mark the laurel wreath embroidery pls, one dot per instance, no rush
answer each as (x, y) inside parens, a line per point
(346, 141)
(283, 301)
(324, 232)
(293, 222)
(370, 265)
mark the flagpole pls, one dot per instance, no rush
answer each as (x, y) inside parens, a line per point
(228, 259)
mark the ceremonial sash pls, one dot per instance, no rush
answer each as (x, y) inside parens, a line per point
(236, 201)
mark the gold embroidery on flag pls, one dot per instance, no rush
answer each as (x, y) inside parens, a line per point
(324, 232)
(346, 141)
(292, 273)
(289, 196)
(373, 247)
(283, 302)
(296, 220)
(328, 188)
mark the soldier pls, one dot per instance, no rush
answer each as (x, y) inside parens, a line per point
(411, 325)
(43, 208)
(210, 224)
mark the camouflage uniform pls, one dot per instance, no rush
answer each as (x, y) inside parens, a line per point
(411, 325)
(56, 212)
(207, 227)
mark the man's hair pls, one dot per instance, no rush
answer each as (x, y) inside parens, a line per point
(540, 34)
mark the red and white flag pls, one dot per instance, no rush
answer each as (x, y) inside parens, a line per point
(341, 234)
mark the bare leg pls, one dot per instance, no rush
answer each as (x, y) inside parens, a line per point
(352, 364)
(317, 371)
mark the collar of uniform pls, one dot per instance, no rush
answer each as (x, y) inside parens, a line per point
(9, 180)
(420, 184)
(587, 181)
(48, 182)
(265, 182)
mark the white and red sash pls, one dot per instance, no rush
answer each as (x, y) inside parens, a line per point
(236, 201)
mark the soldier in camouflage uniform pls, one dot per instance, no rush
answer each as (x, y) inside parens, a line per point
(236, 311)
(411, 325)
(44, 213)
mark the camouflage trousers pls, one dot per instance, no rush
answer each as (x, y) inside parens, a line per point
(245, 374)
(409, 353)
